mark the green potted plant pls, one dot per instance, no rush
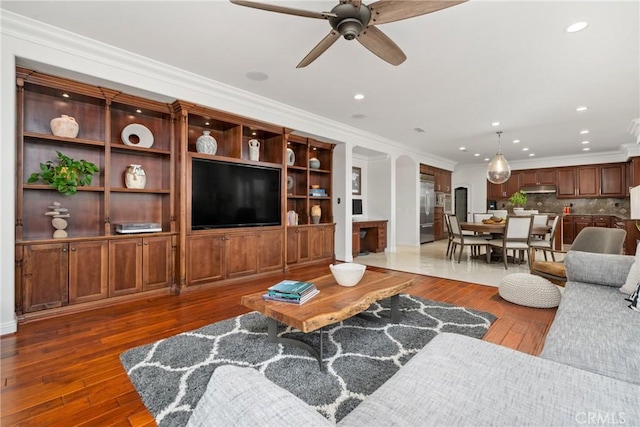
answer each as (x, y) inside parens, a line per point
(518, 199)
(65, 174)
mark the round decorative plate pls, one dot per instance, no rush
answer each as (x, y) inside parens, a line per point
(291, 157)
(289, 182)
(140, 132)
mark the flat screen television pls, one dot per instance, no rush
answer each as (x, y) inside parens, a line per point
(225, 194)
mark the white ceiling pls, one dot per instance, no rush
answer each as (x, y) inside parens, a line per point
(468, 66)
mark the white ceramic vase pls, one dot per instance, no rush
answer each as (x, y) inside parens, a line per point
(135, 177)
(316, 213)
(254, 149)
(64, 126)
(206, 144)
(314, 163)
(291, 157)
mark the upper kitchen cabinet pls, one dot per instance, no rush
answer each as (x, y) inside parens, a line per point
(613, 180)
(566, 182)
(538, 177)
(588, 180)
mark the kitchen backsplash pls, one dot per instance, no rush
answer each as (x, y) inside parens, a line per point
(549, 203)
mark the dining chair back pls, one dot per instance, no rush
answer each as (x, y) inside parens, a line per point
(540, 219)
(544, 244)
(462, 240)
(478, 217)
(516, 237)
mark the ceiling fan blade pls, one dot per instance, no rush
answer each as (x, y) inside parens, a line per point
(384, 11)
(283, 9)
(378, 43)
(324, 44)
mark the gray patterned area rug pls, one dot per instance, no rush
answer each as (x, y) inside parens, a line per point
(359, 354)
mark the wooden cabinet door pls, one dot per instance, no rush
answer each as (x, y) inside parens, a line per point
(447, 181)
(157, 265)
(580, 222)
(45, 276)
(567, 230)
(297, 244)
(529, 177)
(588, 181)
(566, 186)
(88, 271)
(240, 254)
(612, 180)
(328, 239)
(206, 258)
(494, 191)
(321, 242)
(270, 249)
(438, 223)
(546, 177)
(125, 266)
(602, 221)
(513, 184)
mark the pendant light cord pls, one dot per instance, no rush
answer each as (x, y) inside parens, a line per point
(499, 143)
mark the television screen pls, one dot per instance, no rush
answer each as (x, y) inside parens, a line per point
(356, 206)
(234, 195)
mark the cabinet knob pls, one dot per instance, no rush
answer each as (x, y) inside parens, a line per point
(146, 243)
(73, 249)
(64, 250)
(139, 244)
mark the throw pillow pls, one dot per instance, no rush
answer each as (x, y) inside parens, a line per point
(633, 298)
(633, 277)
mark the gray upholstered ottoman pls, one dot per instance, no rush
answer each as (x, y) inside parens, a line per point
(529, 290)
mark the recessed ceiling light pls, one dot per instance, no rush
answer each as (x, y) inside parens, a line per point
(516, 141)
(65, 95)
(358, 96)
(462, 148)
(584, 132)
(582, 108)
(476, 155)
(253, 133)
(138, 111)
(577, 26)
(495, 124)
(525, 149)
(532, 154)
(586, 149)
(206, 123)
(585, 142)
(486, 159)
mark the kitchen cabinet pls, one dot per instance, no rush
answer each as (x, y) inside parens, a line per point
(321, 241)
(573, 224)
(270, 244)
(605, 221)
(442, 180)
(580, 222)
(588, 181)
(297, 244)
(566, 182)
(613, 180)
(438, 223)
(567, 230)
(513, 184)
(538, 177)
(494, 191)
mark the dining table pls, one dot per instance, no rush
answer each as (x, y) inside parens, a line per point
(498, 228)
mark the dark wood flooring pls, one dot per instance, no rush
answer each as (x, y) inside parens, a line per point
(65, 371)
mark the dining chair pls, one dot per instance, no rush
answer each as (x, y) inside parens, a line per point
(544, 244)
(517, 235)
(590, 239)
(447, 223)
(462, 240)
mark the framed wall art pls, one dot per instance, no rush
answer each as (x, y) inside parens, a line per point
(356, 180)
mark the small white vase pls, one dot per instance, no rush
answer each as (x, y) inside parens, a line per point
(135, 177)
(314, 163)
(64, 126)
(206, 144)
(291, 157)
(254, 149)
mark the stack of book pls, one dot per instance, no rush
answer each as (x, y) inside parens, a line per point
(318, 192)
(291, 291)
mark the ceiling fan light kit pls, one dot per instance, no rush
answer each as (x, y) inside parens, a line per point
(353, 19)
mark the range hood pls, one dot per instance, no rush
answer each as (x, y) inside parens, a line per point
(539, 189)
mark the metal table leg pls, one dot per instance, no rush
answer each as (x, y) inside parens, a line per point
(272, 328)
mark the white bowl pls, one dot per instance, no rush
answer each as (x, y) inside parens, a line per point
(348, 273)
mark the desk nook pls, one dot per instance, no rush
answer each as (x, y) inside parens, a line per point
(368, 236)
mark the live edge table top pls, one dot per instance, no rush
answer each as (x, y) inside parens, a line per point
(334, 303)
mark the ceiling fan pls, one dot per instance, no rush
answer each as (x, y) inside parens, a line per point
(353, 19)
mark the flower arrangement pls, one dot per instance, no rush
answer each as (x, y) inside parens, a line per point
(65, 174)
(518, 199)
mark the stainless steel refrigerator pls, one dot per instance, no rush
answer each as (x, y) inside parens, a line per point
(427, 203)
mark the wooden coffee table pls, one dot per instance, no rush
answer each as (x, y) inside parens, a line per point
(333, 304)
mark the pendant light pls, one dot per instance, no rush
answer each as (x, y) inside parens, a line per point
(498, 170)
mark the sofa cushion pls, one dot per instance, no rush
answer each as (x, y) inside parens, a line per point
(457, 381)
(599, 269)
(244, 397)
(594, 330)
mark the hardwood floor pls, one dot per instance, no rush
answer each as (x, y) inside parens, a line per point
(66, 371)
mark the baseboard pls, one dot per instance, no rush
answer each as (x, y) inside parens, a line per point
(7, 328)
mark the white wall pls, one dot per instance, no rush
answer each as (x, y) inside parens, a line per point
(474, 178)
(341, 198)
(407, 201)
